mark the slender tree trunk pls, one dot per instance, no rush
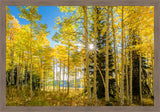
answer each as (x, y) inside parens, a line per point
(147, 79)
(20, 67)
(12, 73)
(84, 76)
(56, 75)
(122, 68)
(17, 76)
(31, 92)
(23, 66)
(84, 84)
(126, 68)
(130, 91)
(60, 76)
(18, 72)
(152, 59)
(26, 81)
(84, 81)
(127, 84)
(101, 76)
(53, 72)
(41, 80)
(68, 67)
(63, 74)
(75, 79)
(95, 55)
(149, 75)
(115, 56)
(12, 60)
(86, 51)
(47, 80)
(107, 66)
(140, 83)
(44, 80)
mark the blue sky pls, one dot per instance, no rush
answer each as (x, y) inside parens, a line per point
(49, 13)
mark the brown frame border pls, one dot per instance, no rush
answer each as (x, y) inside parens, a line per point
(155, 3)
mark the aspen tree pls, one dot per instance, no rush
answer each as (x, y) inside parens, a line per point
(95, 53)
(63, 74)
(30, 13)
(60, 75)
(122, 68)
(140, 75)
(86, 50)
(106, 63)
(115, 55)
(130, 91)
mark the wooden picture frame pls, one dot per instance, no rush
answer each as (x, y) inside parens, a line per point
(4, 3)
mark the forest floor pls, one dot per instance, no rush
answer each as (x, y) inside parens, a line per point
(21, 97)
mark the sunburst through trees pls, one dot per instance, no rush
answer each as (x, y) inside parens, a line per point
(97, 56)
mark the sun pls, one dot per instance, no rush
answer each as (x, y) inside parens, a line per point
(91, 46)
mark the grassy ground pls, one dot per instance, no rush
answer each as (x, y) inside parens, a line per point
(48, 98)
(21, 97)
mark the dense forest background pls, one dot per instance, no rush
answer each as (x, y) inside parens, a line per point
(103, 55)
